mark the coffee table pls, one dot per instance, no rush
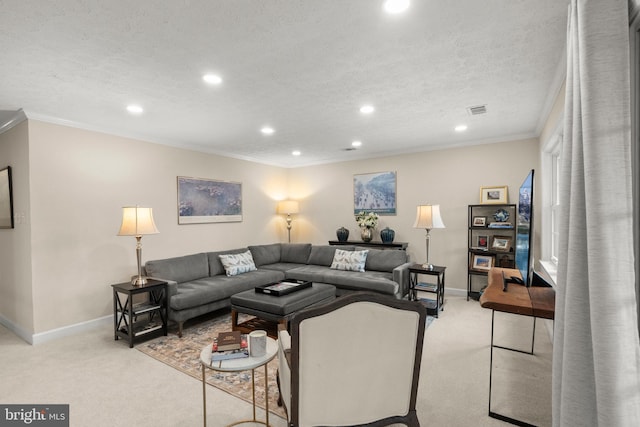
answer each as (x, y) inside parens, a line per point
(236, 365)
(271, 309)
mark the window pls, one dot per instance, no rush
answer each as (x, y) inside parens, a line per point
(551, 201)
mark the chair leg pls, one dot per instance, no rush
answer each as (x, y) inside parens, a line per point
(280, 402)
(180, 324)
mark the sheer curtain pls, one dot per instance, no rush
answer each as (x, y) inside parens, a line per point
(596, 366)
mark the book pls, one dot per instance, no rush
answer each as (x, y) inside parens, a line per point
(231, 340)
(500, 225)
(229, 354)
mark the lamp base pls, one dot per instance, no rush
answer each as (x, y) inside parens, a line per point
(427, 266)
(138, 280)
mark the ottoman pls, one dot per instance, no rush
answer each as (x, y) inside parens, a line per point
(269, 310)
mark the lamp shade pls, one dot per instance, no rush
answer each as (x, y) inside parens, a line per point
(288, 207)
(428, 217)
(137, 221)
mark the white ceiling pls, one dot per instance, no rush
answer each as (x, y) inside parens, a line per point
(303, 67)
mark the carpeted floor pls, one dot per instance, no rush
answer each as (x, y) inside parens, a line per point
(183, 354)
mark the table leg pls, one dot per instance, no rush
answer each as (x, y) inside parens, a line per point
(266, 393)
(253, 392)
(204, 397)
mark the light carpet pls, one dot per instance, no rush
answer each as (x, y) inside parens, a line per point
(183, 354)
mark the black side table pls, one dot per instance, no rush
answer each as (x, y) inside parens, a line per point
(147, 319)
(438, 288)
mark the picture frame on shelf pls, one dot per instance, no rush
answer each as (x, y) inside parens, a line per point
(479, 221)
(501, 243)
(498, 195)
(482, 262)
(482, 242)
(506, 262)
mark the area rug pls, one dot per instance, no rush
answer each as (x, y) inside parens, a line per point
(183, 354)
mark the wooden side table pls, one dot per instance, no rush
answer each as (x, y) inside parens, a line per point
(438, 288)
(148, 319)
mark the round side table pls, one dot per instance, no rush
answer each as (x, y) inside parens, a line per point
(236, 365)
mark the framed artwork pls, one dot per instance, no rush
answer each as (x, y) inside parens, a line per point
(482, 242)
(479, 221)
(206, 201)
(482, 262)
(6, 198)
(494, 195)
(375, 192)
(501, 243)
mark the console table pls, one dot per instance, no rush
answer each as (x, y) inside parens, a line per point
(517, 299)
(379, 245)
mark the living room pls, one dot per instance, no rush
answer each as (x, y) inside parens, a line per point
(70, 183)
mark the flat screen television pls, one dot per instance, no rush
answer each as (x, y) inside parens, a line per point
(524, 231)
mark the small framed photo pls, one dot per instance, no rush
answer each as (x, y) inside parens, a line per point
(501, 243)
(479, 221)
(482, 262)
(494, 195)
(482, 242)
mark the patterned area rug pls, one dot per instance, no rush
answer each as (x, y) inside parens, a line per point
(184, 355)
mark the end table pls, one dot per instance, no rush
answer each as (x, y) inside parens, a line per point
(147, 319)
(438, 288)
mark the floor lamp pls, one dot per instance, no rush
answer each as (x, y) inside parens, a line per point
(137, 221)
(288, 207)
(428, 217)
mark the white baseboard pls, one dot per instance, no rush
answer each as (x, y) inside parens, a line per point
(53, 334)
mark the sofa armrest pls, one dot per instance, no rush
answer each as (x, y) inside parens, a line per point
(284, 366)
(401, 276)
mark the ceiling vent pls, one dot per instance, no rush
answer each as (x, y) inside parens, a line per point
(476, 110)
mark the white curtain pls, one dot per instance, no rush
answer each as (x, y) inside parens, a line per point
(596, 361)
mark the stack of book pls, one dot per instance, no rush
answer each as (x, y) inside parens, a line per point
(229, 345)
(500, 225)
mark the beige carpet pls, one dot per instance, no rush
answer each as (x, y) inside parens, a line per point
(183, 354)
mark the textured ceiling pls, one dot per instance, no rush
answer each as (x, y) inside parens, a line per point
(303, 67)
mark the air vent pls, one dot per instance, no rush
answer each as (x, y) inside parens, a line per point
(349, 149)
(476, 110)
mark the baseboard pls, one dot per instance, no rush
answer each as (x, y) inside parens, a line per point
(53, 334)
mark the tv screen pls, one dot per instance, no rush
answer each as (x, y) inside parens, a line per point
(524, 233)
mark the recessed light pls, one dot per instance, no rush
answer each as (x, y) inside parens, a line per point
(135, 109)
(356, 143)
(367, 109)
(267, 130)
(461, 128)
(212, 79)
(296, 153)
(396, 6)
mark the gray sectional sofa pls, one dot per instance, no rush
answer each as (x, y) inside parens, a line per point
(198, 283)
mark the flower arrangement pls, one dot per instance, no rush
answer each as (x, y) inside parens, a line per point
(367, 220)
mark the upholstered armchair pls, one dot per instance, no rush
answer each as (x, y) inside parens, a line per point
(353, 361)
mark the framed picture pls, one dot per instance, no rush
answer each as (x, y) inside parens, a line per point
(506, 262)
(494, 195)
(375, 192)
(482, 242)
(501, 243)
(207, 200)
(479, 221)
(482, 262)
(6, 198)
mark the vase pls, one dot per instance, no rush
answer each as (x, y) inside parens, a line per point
(343, 234)
(366, 234)
(387, 235)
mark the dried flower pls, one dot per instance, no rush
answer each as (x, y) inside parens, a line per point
(367, 220)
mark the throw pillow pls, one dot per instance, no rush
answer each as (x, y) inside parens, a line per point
(237, 263)
(349, 260)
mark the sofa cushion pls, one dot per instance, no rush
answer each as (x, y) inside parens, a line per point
(179, 269)
(376, 281)
(235, 264)
(215, 265)
(349, 260)
(297, 253)
(323, 254)
(384, 260)
(265, 254)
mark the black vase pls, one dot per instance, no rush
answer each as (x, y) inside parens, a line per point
(387, 235)
(343, 234)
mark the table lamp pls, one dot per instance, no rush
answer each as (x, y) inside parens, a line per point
(428, 217)
(137, 221)
(289, 207)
